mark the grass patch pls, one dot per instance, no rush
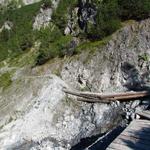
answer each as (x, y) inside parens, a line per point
(59, 48)
(5, 80)
(145, 57)
(92, 45)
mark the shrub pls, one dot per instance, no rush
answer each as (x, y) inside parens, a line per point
(107, 20)
(59, 48)
(47, 4)
(5, 80)
(21, 36)
(60, 15)
(134, 9)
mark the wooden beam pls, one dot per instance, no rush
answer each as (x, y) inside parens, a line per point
(144, 114)
(108, 97)
(89, 100)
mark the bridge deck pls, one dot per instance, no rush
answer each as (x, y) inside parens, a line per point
(145, 114)
(135, 137)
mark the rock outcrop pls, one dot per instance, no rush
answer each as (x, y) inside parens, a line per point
(122, 63)
(36, 114)
(43, 19)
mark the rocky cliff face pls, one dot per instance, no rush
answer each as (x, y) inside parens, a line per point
(36, 114)
(122, 63)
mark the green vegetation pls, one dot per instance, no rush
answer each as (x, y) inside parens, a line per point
(47, 3)
(134, 9)
(61, 13)
(92, 45)
(10, 6)
(110, 13)
(107, 20)
(21, 37)
(5, 80)
(144, 57)
(58, 48)
(18, 41)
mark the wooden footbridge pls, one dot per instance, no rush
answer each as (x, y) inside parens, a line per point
(137, 135)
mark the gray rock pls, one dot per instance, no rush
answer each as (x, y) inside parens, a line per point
(135, 103)
(34, 111)
(124, 61)
(28, 2)
(133, 116)
(42, 19)
(6, 26)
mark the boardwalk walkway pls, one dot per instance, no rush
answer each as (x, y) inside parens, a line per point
(135, 137)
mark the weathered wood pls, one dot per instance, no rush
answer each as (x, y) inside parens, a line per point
(117, 146)
(136, 136)
(108, 97)
(143, 121)
(132, 143)
(141, 128)
(93, 100)
(133, 139)
(145, 114)
(110, 148)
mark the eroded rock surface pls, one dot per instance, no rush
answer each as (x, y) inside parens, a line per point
(43, 19)
(122, 63)
(36, 114)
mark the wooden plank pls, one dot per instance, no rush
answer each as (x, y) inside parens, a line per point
(147, 112)
(117, 146)
(135, 137)
(109, 148)
(138, 131)
(92, 100)
(108, 97)
(141, 122)
(138, 136)
(132, 143)
(140, 128)
(144, 114)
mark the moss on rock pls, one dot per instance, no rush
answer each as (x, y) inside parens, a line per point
(5, 80)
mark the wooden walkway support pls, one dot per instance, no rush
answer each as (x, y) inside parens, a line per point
(98, 97)
(135, 137)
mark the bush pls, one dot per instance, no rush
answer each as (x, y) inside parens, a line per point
(50, 50)
(47, 4)
(5, 80)
(134, 9)
(111, 12)
(60, 15)
(21, 36)
(107, 20)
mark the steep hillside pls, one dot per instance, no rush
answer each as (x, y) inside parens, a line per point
(56, 44)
